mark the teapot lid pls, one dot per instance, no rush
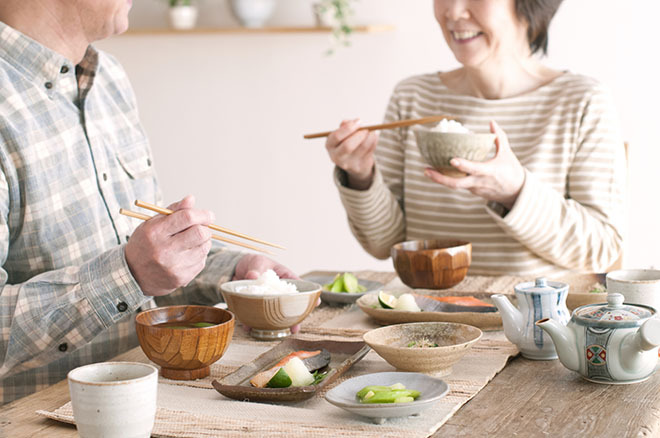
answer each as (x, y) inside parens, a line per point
(615, 313)
(541, 286)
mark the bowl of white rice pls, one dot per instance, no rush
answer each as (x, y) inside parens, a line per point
(450, 139)
(270, 305)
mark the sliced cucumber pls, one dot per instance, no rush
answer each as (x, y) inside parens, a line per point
(281, 379)
(351, 284)
(386, 300)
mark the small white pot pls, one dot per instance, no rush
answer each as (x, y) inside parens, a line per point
(325, 17)
(183, 17)
(253, 13)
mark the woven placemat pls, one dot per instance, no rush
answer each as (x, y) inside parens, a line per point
(194, 409)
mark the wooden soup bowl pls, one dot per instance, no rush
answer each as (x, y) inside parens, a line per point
(431, 264)
(184, 354)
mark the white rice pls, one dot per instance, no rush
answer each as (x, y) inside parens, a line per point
(268, 283)
(446, 125)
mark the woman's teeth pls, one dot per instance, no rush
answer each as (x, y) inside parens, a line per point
(465, 35)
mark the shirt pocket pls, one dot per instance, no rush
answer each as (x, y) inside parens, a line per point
(135, 160)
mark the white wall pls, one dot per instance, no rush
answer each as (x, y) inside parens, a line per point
(226, 112)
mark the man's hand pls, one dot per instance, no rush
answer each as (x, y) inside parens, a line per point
(167, 252)
(250, 266)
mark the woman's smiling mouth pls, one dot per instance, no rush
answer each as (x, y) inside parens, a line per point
(464, 35)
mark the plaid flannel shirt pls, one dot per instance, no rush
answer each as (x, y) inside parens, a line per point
(72, 152)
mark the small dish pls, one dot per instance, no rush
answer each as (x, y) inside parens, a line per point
(236, 385)
(343, 297)
(483, 320)
(431, 388)
(452, 341)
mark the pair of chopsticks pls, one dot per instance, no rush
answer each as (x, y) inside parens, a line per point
(166, 211)
(397, 124)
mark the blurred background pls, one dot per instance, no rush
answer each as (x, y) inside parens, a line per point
(226, 111)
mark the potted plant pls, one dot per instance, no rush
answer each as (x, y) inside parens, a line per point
(252, 13)
(183, 14)
(337, 15)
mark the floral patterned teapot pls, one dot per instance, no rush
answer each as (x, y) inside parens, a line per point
(615, 342)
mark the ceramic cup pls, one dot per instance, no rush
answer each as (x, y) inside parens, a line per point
(114, 399)
(638, 286)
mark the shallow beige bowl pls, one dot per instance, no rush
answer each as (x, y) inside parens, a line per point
(270, 316)
(453, 339)
(438, 148)
(577, 299)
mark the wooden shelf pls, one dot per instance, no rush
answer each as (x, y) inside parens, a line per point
(371, 28)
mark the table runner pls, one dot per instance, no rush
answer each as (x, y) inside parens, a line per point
(193, 409)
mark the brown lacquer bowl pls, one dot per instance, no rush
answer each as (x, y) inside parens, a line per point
(182, 340)
(431, 264)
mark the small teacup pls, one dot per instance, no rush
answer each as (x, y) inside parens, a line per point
(114, 399)
(638, 286)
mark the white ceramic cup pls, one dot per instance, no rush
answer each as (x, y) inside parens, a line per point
(114, 399)
(638, 286)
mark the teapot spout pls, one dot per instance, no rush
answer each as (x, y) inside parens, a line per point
(564, 339)
(512, 319)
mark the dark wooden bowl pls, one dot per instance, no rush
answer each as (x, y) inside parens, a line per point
(184, 354)
(431, 264)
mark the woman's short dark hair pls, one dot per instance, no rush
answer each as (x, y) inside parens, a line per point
(537, 14)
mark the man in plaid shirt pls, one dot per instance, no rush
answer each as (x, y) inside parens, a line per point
(72, 152)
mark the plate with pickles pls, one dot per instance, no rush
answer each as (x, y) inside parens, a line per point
(388, 395)
(344, 287)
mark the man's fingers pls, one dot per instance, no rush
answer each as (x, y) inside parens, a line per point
(187, 202)
(181, 220)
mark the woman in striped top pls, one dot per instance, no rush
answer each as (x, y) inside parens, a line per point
(548, 202)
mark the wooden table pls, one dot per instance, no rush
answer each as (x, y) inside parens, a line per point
(528, 398)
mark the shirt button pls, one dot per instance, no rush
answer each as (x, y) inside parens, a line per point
(48, 85)
(64, 69)
(122, 307)
(149, 162)
(105, 177)
(127, 237)
(63, 347)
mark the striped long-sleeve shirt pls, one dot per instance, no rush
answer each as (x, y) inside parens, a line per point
(569, 213)
(72, 152)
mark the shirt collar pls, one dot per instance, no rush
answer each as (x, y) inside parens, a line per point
(37, 62)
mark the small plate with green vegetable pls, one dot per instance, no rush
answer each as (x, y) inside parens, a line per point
(388, 395)
(343, 288)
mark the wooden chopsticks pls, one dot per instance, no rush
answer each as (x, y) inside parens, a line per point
(166, 211)
(211, 226)
(145, 217)
(397, 124)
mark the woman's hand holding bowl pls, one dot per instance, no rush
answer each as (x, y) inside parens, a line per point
(499, 179)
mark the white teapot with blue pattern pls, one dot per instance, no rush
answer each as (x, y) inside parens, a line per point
(615, 342)
(536, 300)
